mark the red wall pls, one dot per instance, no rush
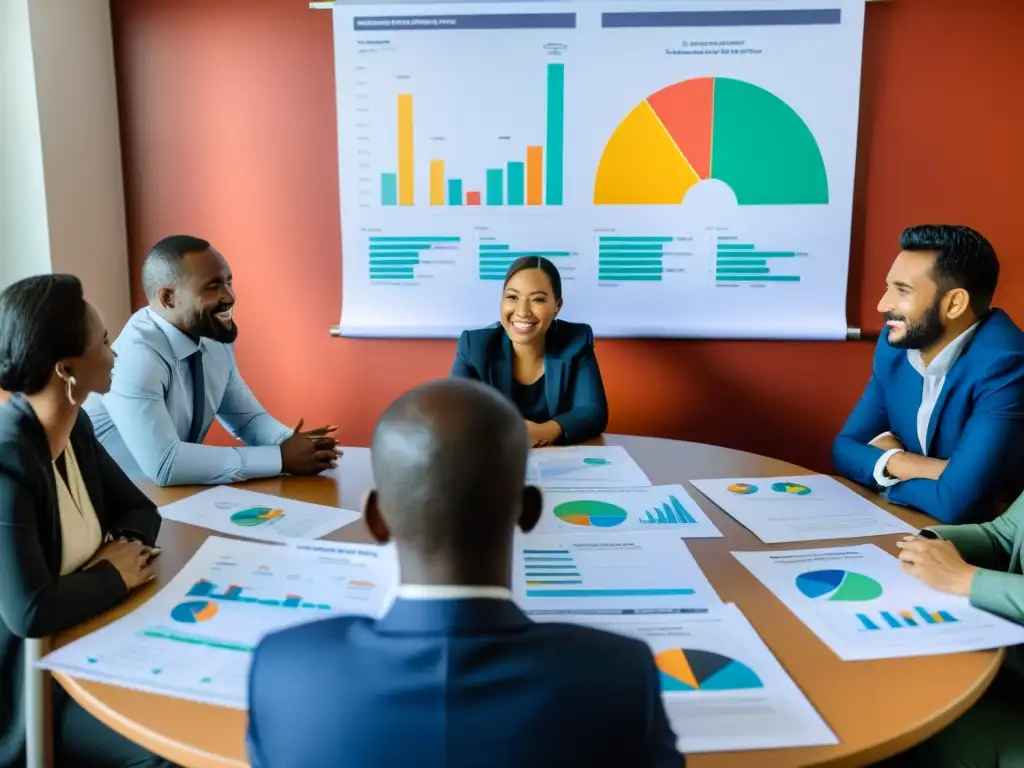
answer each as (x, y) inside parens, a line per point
(229, 133)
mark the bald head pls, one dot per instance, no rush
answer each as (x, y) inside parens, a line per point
(449, 462)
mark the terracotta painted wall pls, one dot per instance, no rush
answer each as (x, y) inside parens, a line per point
(229, 132)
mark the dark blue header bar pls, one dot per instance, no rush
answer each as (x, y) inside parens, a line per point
(801, 17)
(466, 21)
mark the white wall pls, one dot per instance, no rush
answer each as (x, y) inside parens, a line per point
(66, 148)
(24, 232)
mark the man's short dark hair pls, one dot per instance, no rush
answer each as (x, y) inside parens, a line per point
(162, 267)
(964, 259)
(42, 321)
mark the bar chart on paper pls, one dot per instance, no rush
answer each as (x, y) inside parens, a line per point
(400, 258)
(900, 619)
(496, 253)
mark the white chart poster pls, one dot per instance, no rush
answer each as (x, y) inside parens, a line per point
(687, 166)
(637, 571)
(723, 689)
(584, 466)
(257, 515)
(801, 508)
(665, 509)
(194, 640)
(860, 604)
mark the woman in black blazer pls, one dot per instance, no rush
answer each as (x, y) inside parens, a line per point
(546, 366)
(76, 536)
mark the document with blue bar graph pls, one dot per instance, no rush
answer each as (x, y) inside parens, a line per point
(665, 509)
(641, 571)
(688, 167)
(862, 606)
(194, 639)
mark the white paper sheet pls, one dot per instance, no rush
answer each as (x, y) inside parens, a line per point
(722, 687)
(257, 515)
(800, 508)
(862, 606)
(581, 466)
(665, 509)
(638, 570)
(194, 640)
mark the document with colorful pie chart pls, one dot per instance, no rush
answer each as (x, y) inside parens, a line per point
(257, 515)
(723, 688)
(194, 639)
(800, 508)
(664, 509)
(603, 466)
(859, 602)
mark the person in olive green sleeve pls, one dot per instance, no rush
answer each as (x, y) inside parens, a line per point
(983, 563)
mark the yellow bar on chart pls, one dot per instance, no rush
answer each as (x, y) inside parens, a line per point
(437, 182)
(534, 175)
(405, 158)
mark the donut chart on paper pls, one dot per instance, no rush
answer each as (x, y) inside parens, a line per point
(712, 128)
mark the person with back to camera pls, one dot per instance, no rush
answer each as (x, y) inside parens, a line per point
(76, 536)
(454, 675)
(545, 365)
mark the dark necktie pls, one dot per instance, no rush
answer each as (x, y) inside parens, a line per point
(198, 396)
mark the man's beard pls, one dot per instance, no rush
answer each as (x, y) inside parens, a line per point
(919, 335)
(212, 328)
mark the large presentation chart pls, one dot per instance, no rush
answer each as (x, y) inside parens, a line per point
(689, 169)
(195, 639)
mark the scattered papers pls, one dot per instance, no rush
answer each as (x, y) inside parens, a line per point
(639, 570)
(665, 509)
(802, 508)
(862, 606)
(723, 689)
(582, 466)
(257, 515)
(194, 640)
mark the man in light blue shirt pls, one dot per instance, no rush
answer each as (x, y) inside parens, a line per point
(176, 372)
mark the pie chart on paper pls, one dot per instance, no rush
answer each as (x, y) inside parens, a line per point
(695, 670)
(252, 516)
(742, 489)
(600, 514)
(833, 584)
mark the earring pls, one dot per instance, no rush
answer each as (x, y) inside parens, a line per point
(69, 386)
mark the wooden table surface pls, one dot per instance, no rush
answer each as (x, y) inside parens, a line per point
(875, 708)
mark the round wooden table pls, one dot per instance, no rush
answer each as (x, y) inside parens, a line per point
(876, 708)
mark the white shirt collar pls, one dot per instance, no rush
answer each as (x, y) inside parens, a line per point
(181, 343)
(943, 361)
(451, 592)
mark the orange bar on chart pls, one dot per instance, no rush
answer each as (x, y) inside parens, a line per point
(405, 159)
(472, 198)
(534, 175)
(437, 182)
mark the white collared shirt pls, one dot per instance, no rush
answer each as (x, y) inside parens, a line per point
(934, 375)
(451, 592)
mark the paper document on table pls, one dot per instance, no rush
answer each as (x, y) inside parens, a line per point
(800, 508)
(194, 639)
(584, 466)
(354, 466)
(665, 509)
(257, 515)
(862, 606)
(638, 570)
(722, 687)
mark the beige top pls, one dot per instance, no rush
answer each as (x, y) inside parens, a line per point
(79, 527)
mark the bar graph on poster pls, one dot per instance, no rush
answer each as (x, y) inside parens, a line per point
(688, 170)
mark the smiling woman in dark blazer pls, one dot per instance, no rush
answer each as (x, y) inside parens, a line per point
(75, 534)
(545, 365)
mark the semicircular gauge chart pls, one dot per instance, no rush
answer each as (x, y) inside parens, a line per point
(684, 669)
(712, 128)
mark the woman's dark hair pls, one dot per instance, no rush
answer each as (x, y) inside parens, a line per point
(544, 265)
(42, 321)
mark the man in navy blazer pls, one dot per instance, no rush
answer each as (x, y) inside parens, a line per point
(940, 427)
(454, 674)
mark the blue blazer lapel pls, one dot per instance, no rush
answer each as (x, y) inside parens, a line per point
(501, 366)
(953, 380)
(554, 372)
